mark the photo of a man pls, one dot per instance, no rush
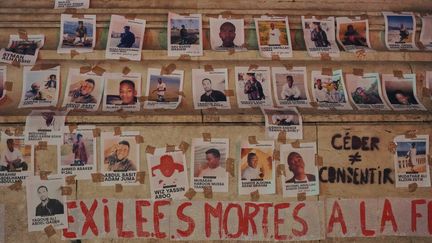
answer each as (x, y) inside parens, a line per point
(79, 150)
(213, 165)
(319, 36)
(80, 33)
(290, 92)
(11, 158)
(33, 93)
(321, 94)
(211, 95)
(161, 87)
(118, 160)
(127, 38)
(251, 171)
(253, 88)
(83, 94)
(297, 166)
(401, 93)
(51, 82)
(227, 34)
(77, 33)
(274, 35)
(48, 206)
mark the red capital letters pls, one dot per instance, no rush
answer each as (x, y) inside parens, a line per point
(66, 233)
(249, 216)
(215, 212)
(305, 227)
(265, 225)
(365, 232)
(119, 223)
(181, 216)
(89, 222)
(157, 216)
(414, 214)
(239, 216)
(336, 217)
(278, 220)
(140, 220)
(387, 215)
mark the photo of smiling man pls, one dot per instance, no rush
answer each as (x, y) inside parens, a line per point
(122, 92)
(300, 170)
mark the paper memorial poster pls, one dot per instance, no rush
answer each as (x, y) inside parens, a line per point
(45, 204)
(77, 33)
(83, 90)
(163, 91)
(22, 51)
(125, 38)
(209, 164)
(400, 31)
(76, 154)
(365, 91)
(319, 36)
(286, 120)
(353, 35)
(273, 36)
(329, 91)
(122, 92)
(428, 82)
(401, 93)
(227, 34)
(16, 159)
(426, 32)
(3, 91)
(185, 35)
(120, 158)
(411, 161)
(209, 87)
(253, 87)
(65, 4)
(257, 168)
(300, 170)
(44, 125)
(290, 87)
(168, 174)
(40, 88)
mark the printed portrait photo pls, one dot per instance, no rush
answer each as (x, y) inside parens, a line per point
(122, 92)
(209, 88)
(283, 118)
(77, 33)
(209, 160)
(15, 156)
(400, 92)
(77, 149)
(353, 34)
(256, 163)
(164, 88)
(120, 154)
(326, 89)
(272, 32)
(83, 90)
(364, 90)
(290, 86)
(318, 33)
(24, 47)
(22, 51)
(400, 29)
(299, 165)
(125, 33)
(185, 31)
(412, 157)
(227, 34)
(41, 88)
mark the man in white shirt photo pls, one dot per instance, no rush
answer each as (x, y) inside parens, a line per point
(160, 90)
(274, 35)
(11, 158)
(213, 167)
(251, 171)
(290, 92)
(321, 94)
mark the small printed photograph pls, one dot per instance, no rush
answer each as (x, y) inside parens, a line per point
(209, 164)
(290, 86)
(3, 70)
(319, 36)
(257, 169)
(77, 33)
(168, 174)
(125, 38)
(65, 4)
(253, 87)
(426, 32)
(16, 159)
(401, 92)
(77, 153)
(44, 125)
(122, 92)
(273, 36)
(83, 91)
(286, 119)
(22, 51)
(163, 90)
(411, 161)
(227, 34)
(400, 31)
(353, 35)
(209, 87)
(45, 204)
(300, 170)
(365, 91)
(329, 91)
(40, 88)
(184, 35)
(120, 158)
